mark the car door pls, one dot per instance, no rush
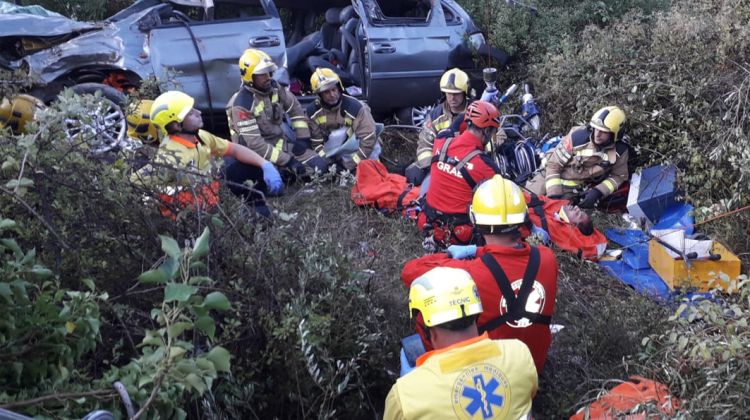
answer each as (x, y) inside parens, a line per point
(404, 56)
(218, 36)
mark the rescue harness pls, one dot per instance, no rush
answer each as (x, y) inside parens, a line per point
(459, 165)
(516, 304)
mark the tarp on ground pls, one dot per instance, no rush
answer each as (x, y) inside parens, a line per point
(633, 268)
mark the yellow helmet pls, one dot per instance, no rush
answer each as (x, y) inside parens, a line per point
(17, 112)
(444, 294)
(609, 119)
(139, 122)
(323, 79)
(498, 205)
(253, 62)
(170, 107)
(455, 81)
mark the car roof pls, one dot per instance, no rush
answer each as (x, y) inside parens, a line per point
(291, 4)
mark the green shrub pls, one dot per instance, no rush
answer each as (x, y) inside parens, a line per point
(524, 35)
(319, 310)
(704, 356)
(46, 330)
(672, 74)
(84, 10)
(91, 235)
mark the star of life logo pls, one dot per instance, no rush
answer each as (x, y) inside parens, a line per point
(481, 392)
(534, 304)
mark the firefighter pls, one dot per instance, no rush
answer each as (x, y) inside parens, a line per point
(15, 113)
(183, 162)
(590, 163)
(349, 117)
(467, 375)
(458, 165)
(256, 118)
(454, 85)
(517, 282)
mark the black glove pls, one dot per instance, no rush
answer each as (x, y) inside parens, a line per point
(300, 146)
(590, 199)
(555, 196)
(296, 167)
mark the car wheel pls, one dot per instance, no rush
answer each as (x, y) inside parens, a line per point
(414, 115)
(108, 126)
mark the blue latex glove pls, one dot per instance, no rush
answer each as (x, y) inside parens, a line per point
(405, 367)
(272, 178)
(541, 233)
(462, 252)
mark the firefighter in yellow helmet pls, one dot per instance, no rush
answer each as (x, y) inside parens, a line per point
(504, 268)
(342, 127)
(467, 375)
(18, 111)
(183, 167)
(454, 88)
(456, 96)
(256, 115)
(590, 163)
(140, 126)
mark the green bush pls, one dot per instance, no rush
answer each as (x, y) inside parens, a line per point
(704, 356)
(319, 310)
(90, 236)
(84, 10)
(46, 330)
(673, 74)
(526, 36)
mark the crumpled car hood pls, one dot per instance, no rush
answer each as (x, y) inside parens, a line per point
(22, 24)
(118, 44)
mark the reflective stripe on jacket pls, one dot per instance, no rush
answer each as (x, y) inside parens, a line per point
(577, 164)
(255, 120)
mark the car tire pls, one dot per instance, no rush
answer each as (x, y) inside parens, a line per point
(414, 115)
(108, 127)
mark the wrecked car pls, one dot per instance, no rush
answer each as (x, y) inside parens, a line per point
(390, 53)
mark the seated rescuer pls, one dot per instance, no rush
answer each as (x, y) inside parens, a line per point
(184, 159)
(337, 111)
(467, 375)
(256, 116)
(517, 282)
(458, 165)
(454, 85)
(589, 163)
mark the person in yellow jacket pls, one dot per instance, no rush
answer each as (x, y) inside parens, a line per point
(467, 376)
(256, 116)
(183, 168)
(346, 115)
(590, 163)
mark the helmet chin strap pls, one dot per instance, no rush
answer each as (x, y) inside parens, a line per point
(325, 105)
(191, 132)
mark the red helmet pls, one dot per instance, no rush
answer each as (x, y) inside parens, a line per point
(483, 114)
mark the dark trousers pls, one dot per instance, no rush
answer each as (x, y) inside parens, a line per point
(236, 174)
